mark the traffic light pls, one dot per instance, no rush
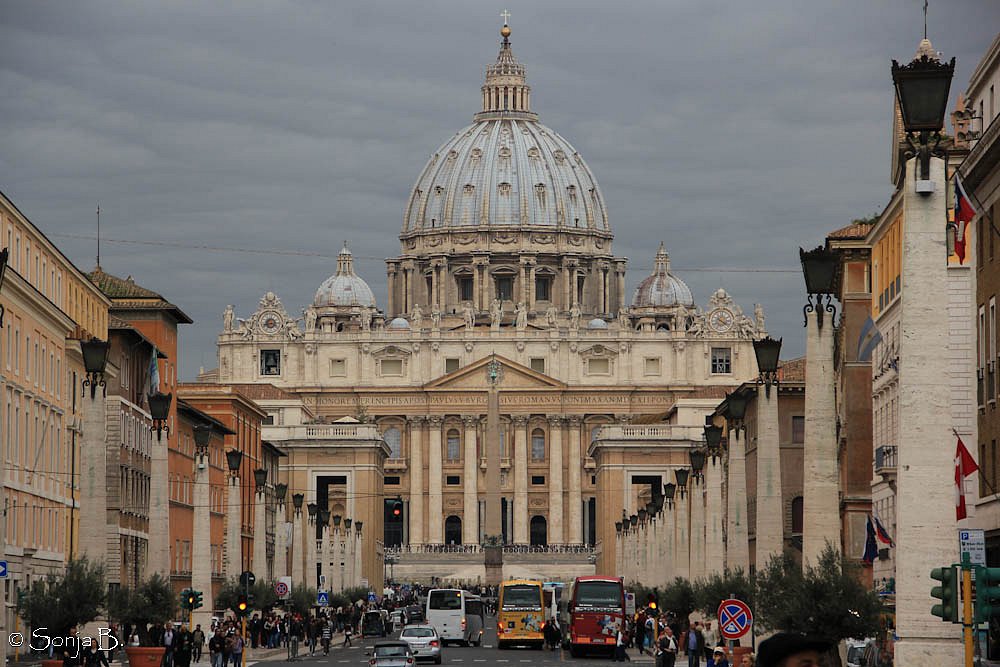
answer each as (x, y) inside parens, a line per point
(242, 605)
(947, 592)
(652, 602)
(987, 593)
(397, 509)
(186, 598)
(196, 600)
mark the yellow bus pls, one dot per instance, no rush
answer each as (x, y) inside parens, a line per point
(520, 613)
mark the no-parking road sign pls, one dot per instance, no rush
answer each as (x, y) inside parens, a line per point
(735, 619)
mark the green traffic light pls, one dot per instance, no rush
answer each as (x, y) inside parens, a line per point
(987, 593)
(947, 592)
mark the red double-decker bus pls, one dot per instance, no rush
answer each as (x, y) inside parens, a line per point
(596, 612)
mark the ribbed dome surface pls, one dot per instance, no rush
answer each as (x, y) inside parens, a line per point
(662, 288)
(345, 288)
(506, 172)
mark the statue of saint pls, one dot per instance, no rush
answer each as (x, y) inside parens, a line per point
(366, 318)
(758, 315)
(228, 317)
(469, 316)
(551, 315)
(418, 317)
(310, 319)
(574, 317)
(435, 318)
(292, 329)
(521, 321)
(496, 313)
(623, 319)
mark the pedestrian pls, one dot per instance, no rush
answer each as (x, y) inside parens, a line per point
(667, 654)
(650, 633)
(640, 633)
(718, 658)
(182, 648)
(294, 630)
(93, 656)
(327, 635)
(748, 660)
(694, 644)
(621, 642)
(711, 638)
(239, 644)
(786, 648)
(168, 645)
(197, 642)
(217, 648)
(348, 631)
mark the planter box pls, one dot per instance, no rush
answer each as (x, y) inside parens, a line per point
(144, 656)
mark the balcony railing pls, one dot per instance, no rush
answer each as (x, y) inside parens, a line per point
(885, 460)
(476, 548)
(649, 432)
(991, 382)
(980, 388)
(324, 432)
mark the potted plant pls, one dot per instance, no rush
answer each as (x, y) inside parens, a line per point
(149, 605)
(56, 605)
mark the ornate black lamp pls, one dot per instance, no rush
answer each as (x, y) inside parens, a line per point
(922, 88)
(767, 351)
(280, 491)
(297, 500)
(95, 360)
(234, 459)
(3, 269)
(651, 509)
(260, 479)
(324, 517)
(357, 527)
(736, 410)
(658, 503)
(713, 440)
(681, 475)
(697, 457)
(669, 490)
(312, 509)
(642, 515)
(159, 409)
(618, 527)
(347, 525)
(202, 438)
(819, 267)
(336, 520)
(634, 520)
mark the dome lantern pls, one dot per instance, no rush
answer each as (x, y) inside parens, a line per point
(662, 288)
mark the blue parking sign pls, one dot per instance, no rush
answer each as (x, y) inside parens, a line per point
(322, 599)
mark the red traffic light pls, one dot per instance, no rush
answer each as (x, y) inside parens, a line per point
(397, 508)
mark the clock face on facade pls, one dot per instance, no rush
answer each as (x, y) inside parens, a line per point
(270, 322)
(721, 320)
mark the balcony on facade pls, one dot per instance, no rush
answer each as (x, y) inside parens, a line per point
(885, 462)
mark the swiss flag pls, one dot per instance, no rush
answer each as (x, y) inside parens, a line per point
(965, 465)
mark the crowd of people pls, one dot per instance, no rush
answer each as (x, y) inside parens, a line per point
(665, 637)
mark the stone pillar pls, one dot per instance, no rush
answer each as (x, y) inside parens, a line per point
(682, 533)
(770, 511)
(201, 542)
(522, 292)
(416, 509)
(556, 515)
(532, 296)
(737, 536)
(234, 517)
(820, 483)
(259, 566)
(435, 506)
(280, 542)
(358, 544)
(669, 549)
(443, 282)
(470, 491)
(575, 496)
(298, 569)
(925, 496)
(486, 297)
(714, 549)
(390, 307)
(312, 555)
(432, 298)
(93, 537)
(620, 289)
(325, 559)
(346, 562)
(159, 508)
(476, 287)
(520, 479)
(696, 532)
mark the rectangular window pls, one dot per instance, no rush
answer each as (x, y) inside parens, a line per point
(453, 480)
(721, 360)
(465, 289)
(537, 364)
(505, 288)
(798, 429)
(270, 362)
(451, 365)
(453, 450)
(392, 367)
(581, 281)
(651, 366)
(538, 480)
(338, 368)
(598, 367)
(392, 480)
(543, 288)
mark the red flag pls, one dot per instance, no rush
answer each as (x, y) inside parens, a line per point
(965, 465)
(964, 212)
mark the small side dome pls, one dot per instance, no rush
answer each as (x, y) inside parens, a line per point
(662, 288)
(344, 288)
(597, 323)
(399, 323)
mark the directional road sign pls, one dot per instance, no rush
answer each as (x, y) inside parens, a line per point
(322, 599)
(3, 569)
(735, 619)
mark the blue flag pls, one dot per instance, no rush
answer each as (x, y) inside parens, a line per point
(868, 340)
(871, 547)
(154, 374)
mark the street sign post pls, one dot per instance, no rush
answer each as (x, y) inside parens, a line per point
(972, 541)
(630, 604)
(281, 589)
(735, 619)
(3, 569)
(247, 579)
(322, 599)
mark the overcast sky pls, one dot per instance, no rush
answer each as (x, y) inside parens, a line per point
(733, 131)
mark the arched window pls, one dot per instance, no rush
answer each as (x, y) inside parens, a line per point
(453, 530)
(454, 450)
(539, 532)
(538, 445)
(394, 439)
(797, 515)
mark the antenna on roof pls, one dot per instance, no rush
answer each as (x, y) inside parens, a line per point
(925, 19)
(98, 236)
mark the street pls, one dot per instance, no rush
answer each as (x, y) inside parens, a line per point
(486, 655)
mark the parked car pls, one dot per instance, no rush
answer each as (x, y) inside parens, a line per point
(415, 614)
(424, 641)
(391, 654)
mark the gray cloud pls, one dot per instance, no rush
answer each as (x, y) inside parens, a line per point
(733, 131)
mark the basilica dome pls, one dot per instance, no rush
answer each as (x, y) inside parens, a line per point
(662, 288)
(344, 288)
(506, 169)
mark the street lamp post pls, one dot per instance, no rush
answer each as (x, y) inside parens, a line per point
(260, 524)
(770, 523)
(95, 359)
(201, 562)
(234, 516)
(298, 569)
(159, 410)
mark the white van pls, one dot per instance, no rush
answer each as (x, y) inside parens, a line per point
(445, 611)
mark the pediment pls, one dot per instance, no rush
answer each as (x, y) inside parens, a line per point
(513, 376)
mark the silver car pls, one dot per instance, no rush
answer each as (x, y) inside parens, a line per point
(391, 654)
(424, 641)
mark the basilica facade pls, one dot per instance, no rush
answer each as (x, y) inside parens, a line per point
(505, 256)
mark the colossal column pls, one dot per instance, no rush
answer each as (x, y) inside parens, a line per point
(737, 536)
(520, 479)
(770, 513)
(259, 566)
(416, 515)
(470, 520)
(682, 534)
(201, 539)
(298, 571)
(556, 516)
(714, 556)
(575, 497)
(435, 506)
(234, 517)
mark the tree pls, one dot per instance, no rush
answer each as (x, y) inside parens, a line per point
(710, 592)
(678, 597)
(264, 596)
(824, 600)
(61, 602)
(302, 599)
(151, 603)
(228, 593)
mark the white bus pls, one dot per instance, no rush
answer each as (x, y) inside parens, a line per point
(446, 611)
